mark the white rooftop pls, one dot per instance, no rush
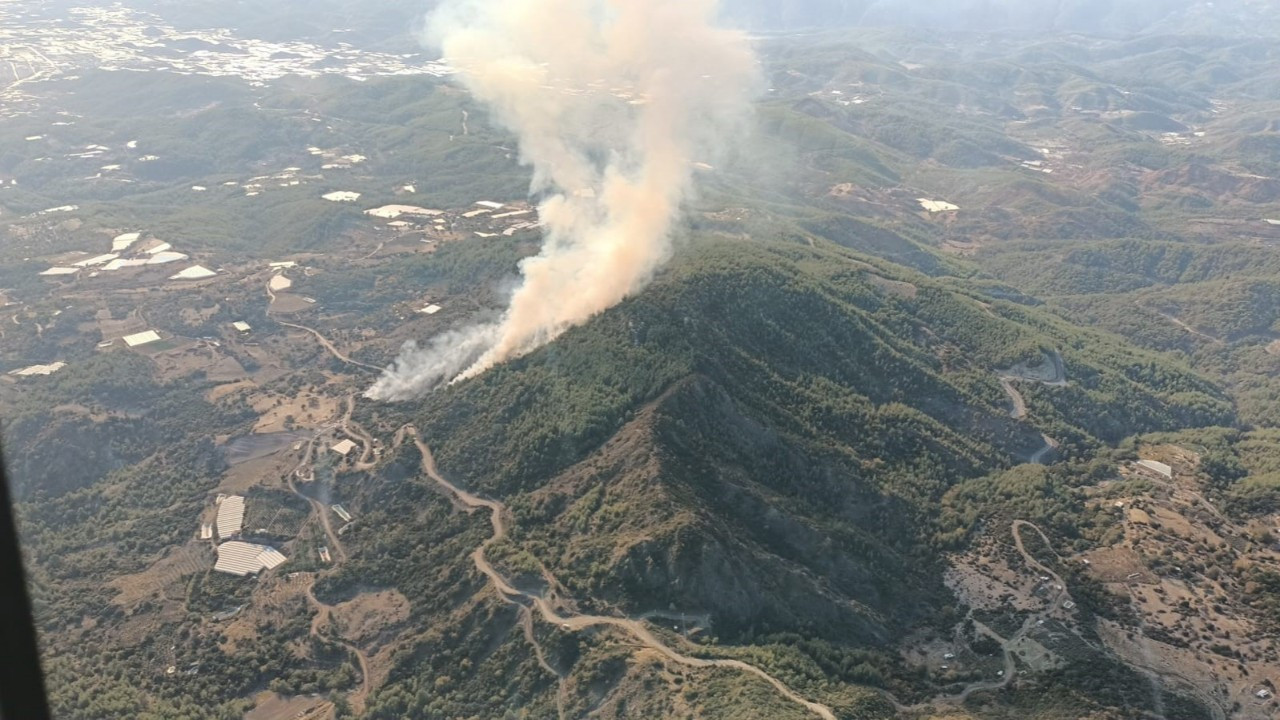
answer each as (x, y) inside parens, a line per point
(60, 271)
(280, 282)
(99, 260)
(162, 247)
(431, 310)
(284, 264)
(490, 204)
(391, 212)
(195, 272)
(230, 516)
(241, 326)
(935, 206)
(1157, 467)
(341, 196)
(124, 263)
(162, 258)
(39, 369)
(142, 338)
(242, 558)
(344, 448)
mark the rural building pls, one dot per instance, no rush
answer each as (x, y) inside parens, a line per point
(937, 206)
(99, 260)
(242, 558)
(241, 326)
(230, 516)
(431, 310)
(122, 242)
(142, 338)
(344, 448)
(391, 212)
(206, 531)
(39, 370)
(341, 196)
(196, 272)
(1158, 468)
(324, 555)
(341, 512)
(60, 271)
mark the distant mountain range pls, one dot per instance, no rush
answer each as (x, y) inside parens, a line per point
(396, 22)
(1100, 17)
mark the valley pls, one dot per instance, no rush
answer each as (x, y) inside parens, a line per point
(956, 398)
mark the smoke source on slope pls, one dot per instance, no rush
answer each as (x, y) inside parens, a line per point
(612, 102)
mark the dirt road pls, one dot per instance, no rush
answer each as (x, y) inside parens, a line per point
(323, 616)
(582, 622)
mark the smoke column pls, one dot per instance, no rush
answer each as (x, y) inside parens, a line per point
(611, 101)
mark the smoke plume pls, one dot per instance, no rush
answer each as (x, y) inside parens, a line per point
(612, 101)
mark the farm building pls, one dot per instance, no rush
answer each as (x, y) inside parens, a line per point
(196, 272)
(344, 448)
(391, 212)
(230, 516)
(341, 196)
(142, 338)
(39, 370)
(122, 242)
(242, 558)
(937, 206)
(1158, 468)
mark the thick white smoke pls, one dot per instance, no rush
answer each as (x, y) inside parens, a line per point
(611, 100)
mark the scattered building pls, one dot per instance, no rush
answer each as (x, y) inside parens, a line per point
(1157, 467)
(39, 369)
(206, 531)
(241, 326)
(325, 557)
(431, 310)
(341, 512)
(280, 282)
(490, 204)
(230, 516)
(391, 212)
(1069, 605)
(344, 448)
(283, 265)
(162, 258)
(242, 558)
(1264, 694)
(60, 271)
(99, 260)
(195, 272)
(341, 196)
(122, 242)
(1272, 222)
(142, 338)
(937, 206)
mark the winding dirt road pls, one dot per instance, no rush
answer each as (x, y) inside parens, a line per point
(581, 622)
(323, 616)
